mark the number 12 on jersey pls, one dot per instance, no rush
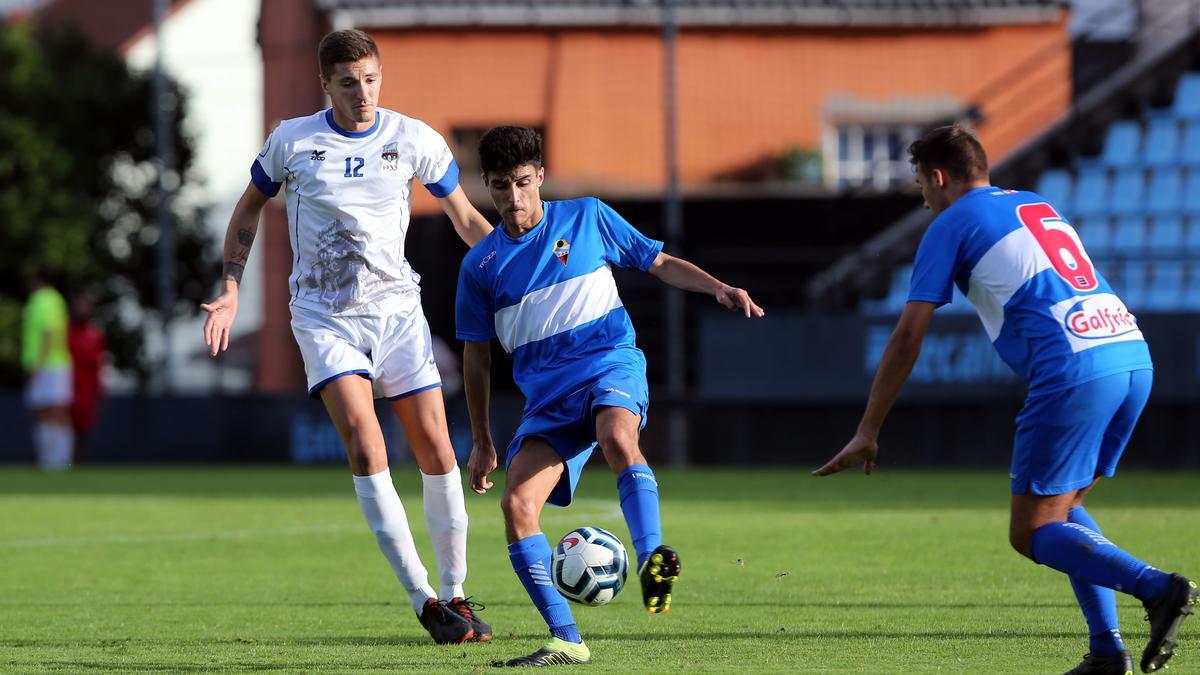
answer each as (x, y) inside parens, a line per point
(356, 171)
(1061, 244)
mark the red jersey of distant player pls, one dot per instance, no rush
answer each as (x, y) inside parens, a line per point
(87, 346)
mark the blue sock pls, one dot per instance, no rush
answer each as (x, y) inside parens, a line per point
(1099, 604)
(531, 561)
(639, 502)
(1081, 552)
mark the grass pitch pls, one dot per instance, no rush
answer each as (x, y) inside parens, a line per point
(271, 569)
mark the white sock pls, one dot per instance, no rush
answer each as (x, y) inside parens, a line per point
(385, 515)
(446, 517)
(43, 445)
(64, 446)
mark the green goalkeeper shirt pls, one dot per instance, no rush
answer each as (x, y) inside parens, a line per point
(45, 313)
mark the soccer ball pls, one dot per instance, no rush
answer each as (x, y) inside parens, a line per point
(588, 566)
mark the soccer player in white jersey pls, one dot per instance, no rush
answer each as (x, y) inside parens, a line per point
(1055, 320)
(542, 284)
(356, 312)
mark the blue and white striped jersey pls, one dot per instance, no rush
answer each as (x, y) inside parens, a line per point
(348, 203)
(550, 298)
(1050, 314)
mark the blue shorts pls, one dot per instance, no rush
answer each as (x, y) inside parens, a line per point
(1067, 438)
(569, 425)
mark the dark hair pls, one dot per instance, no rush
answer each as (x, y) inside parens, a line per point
(345, 46)
(951, 148)
(505, 148)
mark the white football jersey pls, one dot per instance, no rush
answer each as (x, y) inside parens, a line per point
(348, 204)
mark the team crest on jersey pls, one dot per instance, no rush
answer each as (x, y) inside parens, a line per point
(390, 156)
(562, 250)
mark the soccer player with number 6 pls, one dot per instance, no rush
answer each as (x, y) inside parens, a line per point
(1055, 320)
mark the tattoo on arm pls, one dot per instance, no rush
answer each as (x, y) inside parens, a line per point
(233, 271)
(245, 237)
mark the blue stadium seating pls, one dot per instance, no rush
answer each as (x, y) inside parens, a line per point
(1056, 186)
(1091, 192)
(1167, 286)
(1166, 191)
(1128, 192)
(1162, 143)
(1122, 144)
(1166, 236)
(1191, 193)
(1136, 208)
(1187, 97)
(1129, 236)
(1096, 235)
(1134, 283)
(1191, 240)
(1189, 147)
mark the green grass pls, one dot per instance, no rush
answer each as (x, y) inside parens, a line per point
(271, 569)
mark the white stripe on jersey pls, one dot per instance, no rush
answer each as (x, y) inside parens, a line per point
(1001, 272)
(556, 309)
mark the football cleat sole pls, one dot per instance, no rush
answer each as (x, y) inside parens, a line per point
(658, 576)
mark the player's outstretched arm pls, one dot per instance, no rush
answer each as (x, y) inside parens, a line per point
(469, 223)
(901, 353)
(683, 274)
(477, 382)
(239, 237)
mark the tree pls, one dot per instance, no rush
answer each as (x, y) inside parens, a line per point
(78, 190)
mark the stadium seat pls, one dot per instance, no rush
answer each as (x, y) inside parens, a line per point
(1133, 285)
(1189, 147)
(1091, 192)
(1166, 236)
(1166, 290)
(1190, 298)
(1166, 191)
(1162, 143)
(1191, 193)
(1122, 144)
(1191, 239)
(1187, 97)
(1129, 236)
(1055, 185)
(1128, 192)
(1096, 235)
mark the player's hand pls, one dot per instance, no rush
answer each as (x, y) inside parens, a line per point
(221, 313)
(482, 462)
(738, 300)
(860, 450)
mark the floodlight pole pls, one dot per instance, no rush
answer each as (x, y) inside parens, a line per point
(164, 138)
(677, 419)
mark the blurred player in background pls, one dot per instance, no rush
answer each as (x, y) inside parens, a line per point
(1055, 320)
(356, 304)
(88, 348)
(542, 284)
(47, 363)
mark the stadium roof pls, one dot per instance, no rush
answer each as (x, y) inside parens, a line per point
(698, 13)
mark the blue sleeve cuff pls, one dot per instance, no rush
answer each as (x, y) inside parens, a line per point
(262, 181)
(446, 184)
(655, 250)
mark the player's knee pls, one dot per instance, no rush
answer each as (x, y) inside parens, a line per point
(1019, 539)
(519, 509)
(620, 447)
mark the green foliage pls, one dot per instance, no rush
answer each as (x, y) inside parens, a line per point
(77, 186)
(270, 569)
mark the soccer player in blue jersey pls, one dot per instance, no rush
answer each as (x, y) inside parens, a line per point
(347, 174)
(542, 284)
(1055, 320)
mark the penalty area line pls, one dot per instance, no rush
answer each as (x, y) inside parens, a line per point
(227, 535)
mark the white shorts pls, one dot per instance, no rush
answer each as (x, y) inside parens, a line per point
(395, 350)
(49, 388)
